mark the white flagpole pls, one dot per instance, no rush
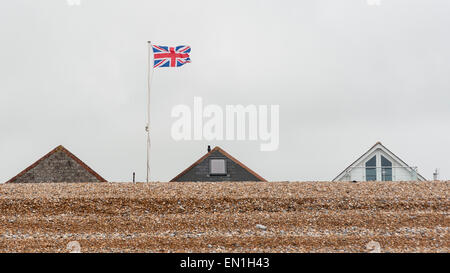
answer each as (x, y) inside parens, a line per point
(147, 128)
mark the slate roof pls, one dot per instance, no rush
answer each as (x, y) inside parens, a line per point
(199, 171)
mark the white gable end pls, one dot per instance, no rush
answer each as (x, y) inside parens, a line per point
(379, 164)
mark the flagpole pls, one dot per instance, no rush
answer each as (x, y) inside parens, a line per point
(147, 128)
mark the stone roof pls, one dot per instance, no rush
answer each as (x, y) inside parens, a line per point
(59, 165)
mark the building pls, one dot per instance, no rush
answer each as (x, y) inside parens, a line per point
(217, 166)
(59, 165)
(379, 164)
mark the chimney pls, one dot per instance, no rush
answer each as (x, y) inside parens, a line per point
(436, 175)
(209, 148)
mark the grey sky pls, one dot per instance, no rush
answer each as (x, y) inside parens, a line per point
(345, 74)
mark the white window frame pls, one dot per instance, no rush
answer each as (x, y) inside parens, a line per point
(376, 166)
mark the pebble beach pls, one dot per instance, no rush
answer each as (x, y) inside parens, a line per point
(226, 217)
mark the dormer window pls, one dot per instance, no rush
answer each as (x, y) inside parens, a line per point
(218, 167)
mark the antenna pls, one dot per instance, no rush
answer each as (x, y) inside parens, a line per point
(436, 175)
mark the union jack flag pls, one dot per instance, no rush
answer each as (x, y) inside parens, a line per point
(166, 56)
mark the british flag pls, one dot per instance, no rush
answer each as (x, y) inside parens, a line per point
(165, 56)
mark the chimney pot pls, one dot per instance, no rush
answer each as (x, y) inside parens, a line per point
(209, 148)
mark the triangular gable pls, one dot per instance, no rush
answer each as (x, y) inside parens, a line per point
(225, 154)
(69, 155)
(374, 148)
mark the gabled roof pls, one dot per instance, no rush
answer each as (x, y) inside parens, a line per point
(64, 150)
(218, 149)
(378, 145)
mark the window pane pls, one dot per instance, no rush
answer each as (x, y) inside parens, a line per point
(371, 173)
(385, 162)
(386, 170)
(217, 166)
(372, 162)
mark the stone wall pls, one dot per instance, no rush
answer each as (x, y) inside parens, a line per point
(58, 167)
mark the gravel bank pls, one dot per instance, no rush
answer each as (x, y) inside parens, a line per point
(226, 217)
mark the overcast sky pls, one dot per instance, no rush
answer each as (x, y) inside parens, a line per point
(345, 74)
